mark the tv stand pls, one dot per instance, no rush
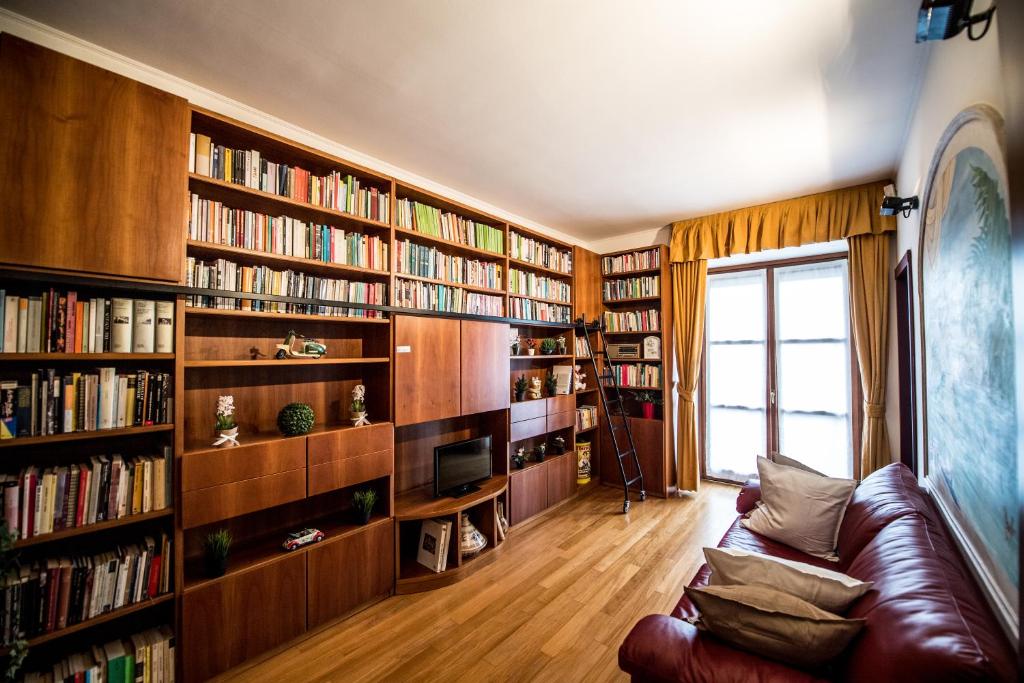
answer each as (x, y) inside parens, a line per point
(460, 491)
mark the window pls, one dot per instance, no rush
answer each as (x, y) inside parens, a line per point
(778, 369)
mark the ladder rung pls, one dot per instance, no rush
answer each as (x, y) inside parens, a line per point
(632, 481)
(623, 454)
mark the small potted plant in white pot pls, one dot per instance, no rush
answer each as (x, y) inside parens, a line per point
(227, 429)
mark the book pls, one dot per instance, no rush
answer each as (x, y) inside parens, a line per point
(432, 547)
(563, 378)
(8, 409)
(10, 324)
(144, 330)
(22, 340)
(122, 314)
(164, 327)
(34, 343)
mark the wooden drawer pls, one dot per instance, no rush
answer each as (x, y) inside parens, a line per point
(561, 420)
(356, 469)
(349, 572)
(227, 465)
(527, 428)
(214, 503)
(560, 404)
(527, 410)
(350, 443)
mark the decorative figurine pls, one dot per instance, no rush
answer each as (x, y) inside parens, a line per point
(359, 406)
(530, 344)
(520, 388)
(580, 383)
(558, 445)
(561, 344)
(519, 459)
(227, 430)
(534, 390)
(297, 346)
(297, 539)
(513, 338)
(539, 452)
(471, 541)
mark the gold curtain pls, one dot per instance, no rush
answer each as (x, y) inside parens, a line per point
(819, 217)
(689, 282)
(869, 309)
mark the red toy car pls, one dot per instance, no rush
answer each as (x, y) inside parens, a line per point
(297, 539)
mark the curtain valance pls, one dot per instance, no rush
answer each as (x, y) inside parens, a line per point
(821, 217)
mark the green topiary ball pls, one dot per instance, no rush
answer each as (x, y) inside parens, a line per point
(295, 419)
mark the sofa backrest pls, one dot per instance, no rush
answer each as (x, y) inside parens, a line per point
(883, 497)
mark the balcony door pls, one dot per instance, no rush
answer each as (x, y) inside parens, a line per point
(778, 369)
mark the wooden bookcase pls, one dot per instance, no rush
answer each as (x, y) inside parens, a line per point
(653, 437)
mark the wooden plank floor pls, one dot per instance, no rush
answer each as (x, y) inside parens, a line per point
(553, 606)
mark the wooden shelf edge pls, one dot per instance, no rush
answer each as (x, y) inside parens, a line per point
(284, 362)
(252, 439)
(446, 283)
(230, 313)
(418, 504)
(428, 580)
(101, 619)
(82, 436)
(308, 264)
(541, 356)
(631, 300)
(541, 299)
(628, 273)
(519, 263)
(93, 528)
(56, 357)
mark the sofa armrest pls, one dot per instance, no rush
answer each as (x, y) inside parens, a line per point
(663, 649)
(750, 493)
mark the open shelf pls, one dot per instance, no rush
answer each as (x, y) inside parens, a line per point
(327, 268)
(256, 315)
(541, 299)
(101, 619)
(83, 436)
(56, 357)
(643, 332)
(585, 431)
(283, 362)
(629, 273)
(526, 265)
(449, 245)
(421, 504)
(93, 528)
(541, 356)
(193, 446)
(634, 387)
(449, 283)
(635, 299)
(414, 577)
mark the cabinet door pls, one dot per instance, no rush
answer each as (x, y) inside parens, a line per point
(609, 469)
(94, 167)
(649, 437)
(528, 492)
(427, 369)
(350, 571)
(561, 478)
(485, 378)
(239, 616)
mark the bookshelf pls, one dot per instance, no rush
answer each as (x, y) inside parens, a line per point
(637, 304)
(540, 281)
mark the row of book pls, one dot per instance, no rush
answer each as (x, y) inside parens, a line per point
(211, 221)
(60, 322)
(229, 276)
(637, 260)
(40, 501)
(632, 288)
(586, 417)
(55, 593)
(433, 297)
(531, 284)
(146, 657)
(527, 309)
(49, 403)
(539, 253)
(423, 261)
(582, 348)
(336, 190)
(633, 321)
(432, 221)
(646, 375)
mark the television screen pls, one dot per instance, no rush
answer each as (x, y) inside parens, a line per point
(458, 465)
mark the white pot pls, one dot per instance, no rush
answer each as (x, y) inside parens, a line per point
(227, 438)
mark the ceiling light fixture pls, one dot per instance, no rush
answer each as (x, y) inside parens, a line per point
(892, 204)
(942, 19)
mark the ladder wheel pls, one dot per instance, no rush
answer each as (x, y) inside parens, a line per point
(625, 506)
(643, 495)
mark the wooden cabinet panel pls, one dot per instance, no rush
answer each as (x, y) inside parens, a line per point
(427, 369)
(561, 421)
(528, 492)
(561, 478)
(337, 474)
(204, 469)
(236, 618)
(348, 443)
(649, 437)
(527, 410)
(94, 167)
(527, 428)
(214, 503)
(609, 467)
(560, 404)
(350, 571)
(485, 352)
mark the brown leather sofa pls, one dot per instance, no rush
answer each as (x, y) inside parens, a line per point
(927, 620)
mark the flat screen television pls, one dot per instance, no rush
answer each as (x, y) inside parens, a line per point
(458, 466)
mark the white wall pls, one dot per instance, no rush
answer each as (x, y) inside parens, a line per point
(959, 73)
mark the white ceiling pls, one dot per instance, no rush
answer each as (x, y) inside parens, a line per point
(594, 117)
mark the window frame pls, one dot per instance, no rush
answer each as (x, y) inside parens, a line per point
(771, 383)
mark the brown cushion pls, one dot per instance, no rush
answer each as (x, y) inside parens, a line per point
(800, 509)
(773, 624)
(823, 588)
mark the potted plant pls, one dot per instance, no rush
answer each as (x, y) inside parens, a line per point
(547, 346)
(364, 501)
(521, 385)
(295, 419)
(530, 344)
(519, 459)
(514, 341)
(539, 452)
(647, 401)
(359, 406)
(550, 383)
(216, 548)
(227, 430)
(558, 445)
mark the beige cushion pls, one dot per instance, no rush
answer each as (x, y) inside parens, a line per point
(823, 588)
(773, 624)
(800, 509)
(780, 459)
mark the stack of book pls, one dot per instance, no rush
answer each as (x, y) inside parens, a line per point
(435, 536)
(644, 375)
(52, 594)
(527, 309)
(146, 657)
(538, 253)
(58, 404)
(531, 284)
(433, 297)
(586, 417)
(229, 276)
(581, 347)
(450, 226)
(338, 191)
(60, 322)
(632, 288)
(39, 501)
(633, 321)
(637, 260)
(211, 221)
(423, 261)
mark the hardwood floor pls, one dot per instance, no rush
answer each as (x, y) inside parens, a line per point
(552, 606)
